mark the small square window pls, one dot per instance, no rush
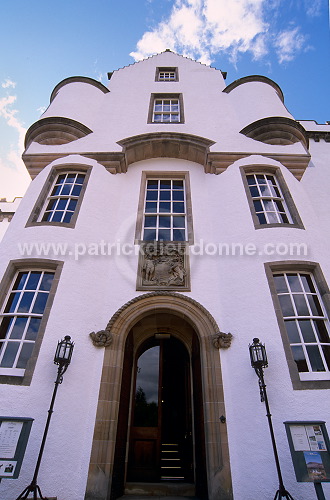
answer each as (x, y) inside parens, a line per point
(167, 75)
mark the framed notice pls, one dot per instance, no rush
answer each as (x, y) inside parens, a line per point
(14, 435)
(310, 450)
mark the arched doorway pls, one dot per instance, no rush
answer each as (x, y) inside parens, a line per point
(166, 347)
(125, 452)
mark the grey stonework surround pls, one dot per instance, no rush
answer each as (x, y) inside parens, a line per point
(297, 266)
(141, 318)
(276, 171)
(15, 266)
(39, 206)
(168, 145)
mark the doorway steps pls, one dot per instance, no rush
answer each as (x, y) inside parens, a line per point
(171, 477)
(170, 463)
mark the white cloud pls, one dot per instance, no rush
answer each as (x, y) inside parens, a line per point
(8, 83)
(101, 77)
(313, 8)
(41, 110)
(288, 44)
(203, 28)
(8, 113)
(14, 177)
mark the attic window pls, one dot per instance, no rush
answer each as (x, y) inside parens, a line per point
(167, 75)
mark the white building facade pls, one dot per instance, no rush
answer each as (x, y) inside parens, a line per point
(172, 219)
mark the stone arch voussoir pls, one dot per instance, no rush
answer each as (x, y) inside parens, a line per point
(177, 303)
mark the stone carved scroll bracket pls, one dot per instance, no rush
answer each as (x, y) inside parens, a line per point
(222, 340)
(103, 338)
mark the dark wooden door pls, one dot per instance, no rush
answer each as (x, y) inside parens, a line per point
(161, 433)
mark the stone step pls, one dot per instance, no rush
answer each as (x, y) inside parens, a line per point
(160, 489)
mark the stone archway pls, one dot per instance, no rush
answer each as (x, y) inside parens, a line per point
(150, 309)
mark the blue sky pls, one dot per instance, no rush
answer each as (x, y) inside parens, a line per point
(43, 42)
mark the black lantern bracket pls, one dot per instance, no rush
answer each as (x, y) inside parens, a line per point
(62, 358)
(259, 362)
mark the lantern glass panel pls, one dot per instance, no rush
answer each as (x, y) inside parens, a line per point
(64, 351)
(258, 354)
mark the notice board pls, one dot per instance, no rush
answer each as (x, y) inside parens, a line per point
(14, 435)
(310, 450)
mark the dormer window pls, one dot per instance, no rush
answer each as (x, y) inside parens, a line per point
(167, 75)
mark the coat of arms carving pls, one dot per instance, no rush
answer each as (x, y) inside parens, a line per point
(163, 265)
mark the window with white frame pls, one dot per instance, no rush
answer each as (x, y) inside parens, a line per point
(306, 323)
(21, 317)
(165, 210)
(166, 108)
(267, 198)
(167, 74)
(63, 198)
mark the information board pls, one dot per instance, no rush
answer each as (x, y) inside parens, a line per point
(14, 435)
(310, 450)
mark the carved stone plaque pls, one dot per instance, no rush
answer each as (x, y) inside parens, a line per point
(163, 266)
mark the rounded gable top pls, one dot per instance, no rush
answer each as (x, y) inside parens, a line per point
(255, 78)
(78, 79)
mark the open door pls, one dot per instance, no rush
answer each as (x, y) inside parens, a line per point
(160, 447)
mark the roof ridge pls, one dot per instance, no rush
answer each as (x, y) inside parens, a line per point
(163, 52)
